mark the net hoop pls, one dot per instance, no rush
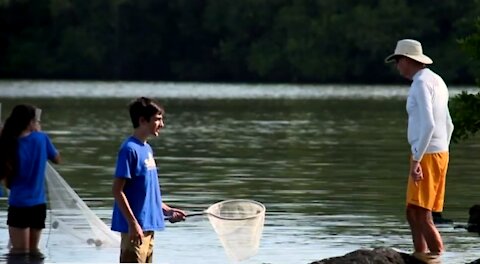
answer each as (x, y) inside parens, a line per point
(239, 225)
(212, 209)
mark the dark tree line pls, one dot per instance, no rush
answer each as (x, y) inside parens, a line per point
(305, 41)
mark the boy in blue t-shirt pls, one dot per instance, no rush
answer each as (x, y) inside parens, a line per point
(138, 210)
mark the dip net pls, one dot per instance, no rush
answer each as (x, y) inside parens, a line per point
(239, 226)
(69, 216)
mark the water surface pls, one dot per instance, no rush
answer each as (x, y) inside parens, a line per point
(329, 163)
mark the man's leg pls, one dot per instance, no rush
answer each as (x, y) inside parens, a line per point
(426, 237)
(430, 231)
(419, 243)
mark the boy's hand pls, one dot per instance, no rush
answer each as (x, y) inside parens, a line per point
(176, 215)
(135, 233)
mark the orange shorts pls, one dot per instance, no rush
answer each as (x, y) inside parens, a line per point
(429, 193)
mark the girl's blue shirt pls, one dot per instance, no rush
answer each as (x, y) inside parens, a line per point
(28, 185)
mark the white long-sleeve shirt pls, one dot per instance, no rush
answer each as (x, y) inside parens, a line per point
(430, 126)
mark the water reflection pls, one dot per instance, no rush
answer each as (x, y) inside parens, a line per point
(22, 259)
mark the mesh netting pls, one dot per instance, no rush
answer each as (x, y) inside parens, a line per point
(239, 226)
(70, 216)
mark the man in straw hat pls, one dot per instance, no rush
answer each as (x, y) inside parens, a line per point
(429, 131)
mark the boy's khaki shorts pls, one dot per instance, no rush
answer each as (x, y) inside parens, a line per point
(429, 193)
(134, 253)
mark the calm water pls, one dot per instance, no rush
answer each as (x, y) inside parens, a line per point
(328, 162)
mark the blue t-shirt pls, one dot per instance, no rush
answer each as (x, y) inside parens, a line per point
(28, 185)
(135, 163)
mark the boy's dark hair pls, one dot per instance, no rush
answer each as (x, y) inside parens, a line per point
(143, 107)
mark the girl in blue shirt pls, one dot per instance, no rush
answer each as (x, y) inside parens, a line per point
(24, 151)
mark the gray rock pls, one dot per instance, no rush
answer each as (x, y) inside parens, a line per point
(382, 255)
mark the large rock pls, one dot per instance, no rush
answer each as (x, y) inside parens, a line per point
(380, 255)
(474, 219)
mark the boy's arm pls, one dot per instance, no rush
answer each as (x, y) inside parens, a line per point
(134, 229)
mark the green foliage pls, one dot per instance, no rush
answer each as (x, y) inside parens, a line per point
(465, 111)
(465, 107)
(471, 46)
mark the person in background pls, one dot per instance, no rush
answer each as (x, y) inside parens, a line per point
(429, 131)
(138, 210)
(24, 151)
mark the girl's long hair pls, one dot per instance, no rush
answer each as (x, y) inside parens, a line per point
(15, 124)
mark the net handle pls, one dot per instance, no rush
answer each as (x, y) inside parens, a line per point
(197, 213)
(189, 215)
(167, 218)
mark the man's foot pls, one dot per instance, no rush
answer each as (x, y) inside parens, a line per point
(429, 258)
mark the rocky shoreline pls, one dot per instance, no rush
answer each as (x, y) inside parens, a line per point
(386, 255)
(381, 255)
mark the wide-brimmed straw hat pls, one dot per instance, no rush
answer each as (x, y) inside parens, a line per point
(409, 48)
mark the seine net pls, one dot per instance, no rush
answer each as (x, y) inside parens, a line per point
(71, 217)
(239, 225)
